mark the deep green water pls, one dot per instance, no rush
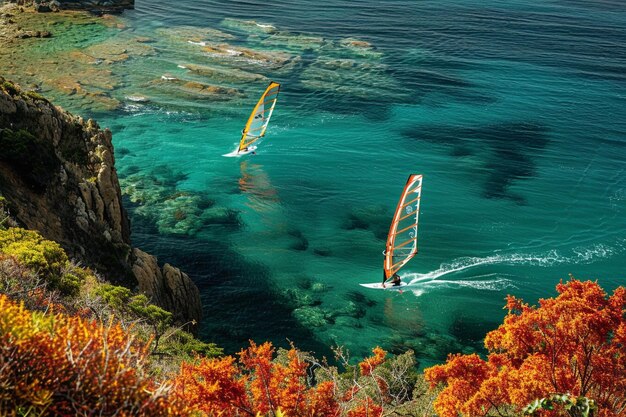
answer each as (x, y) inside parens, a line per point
(514, 112)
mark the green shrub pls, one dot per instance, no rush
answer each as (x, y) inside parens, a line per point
(115, 296)
(154, 316)
(72, 279)
(44, 257)
(137, 306)
(178, 342)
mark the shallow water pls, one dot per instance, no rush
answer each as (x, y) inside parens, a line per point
(514, 112)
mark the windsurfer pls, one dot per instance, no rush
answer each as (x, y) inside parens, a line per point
(395, 279)
(246, 150)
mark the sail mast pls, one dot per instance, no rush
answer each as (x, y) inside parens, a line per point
(260, 116)
(402, 238)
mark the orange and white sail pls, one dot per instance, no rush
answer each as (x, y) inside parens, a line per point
(402, 238)
(260, 117)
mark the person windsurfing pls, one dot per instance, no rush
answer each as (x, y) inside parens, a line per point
(395, 279)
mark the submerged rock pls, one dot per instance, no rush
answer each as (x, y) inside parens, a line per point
(301, 243)
(249, 26)
(246, 57)
(355, 43)
(359, 298)
(375, 219)
(197, 35)
(118, 49)
(173, 211)
(297, 298)
(299, 42)
(312, 317)
(360, 48)
(224, 74)
(319, 287)
(351, 309)
(186, 88)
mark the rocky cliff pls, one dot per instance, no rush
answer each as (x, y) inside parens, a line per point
(57, 174)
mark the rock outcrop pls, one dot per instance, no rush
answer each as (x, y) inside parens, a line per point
(171, 288)
(57, 174)
(94, 6)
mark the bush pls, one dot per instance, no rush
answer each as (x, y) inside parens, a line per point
(263, 382)
(177, 342)
(43, 257)
(573, 343)
(62, 365)
(20, 283)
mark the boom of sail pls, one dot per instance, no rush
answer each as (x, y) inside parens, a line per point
(402, 238)
(260, 117)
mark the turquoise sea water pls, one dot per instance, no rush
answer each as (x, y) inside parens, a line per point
(514, 112)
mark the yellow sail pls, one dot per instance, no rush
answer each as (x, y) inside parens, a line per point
(260, 117)
(402, 237)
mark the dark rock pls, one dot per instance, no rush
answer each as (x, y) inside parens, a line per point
(168, 287)
(97, 6)
(42, 8)
(94, 6)
(301, 243)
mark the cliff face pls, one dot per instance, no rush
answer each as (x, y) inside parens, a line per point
(57, 174)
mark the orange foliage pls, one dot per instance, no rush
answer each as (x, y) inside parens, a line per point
(367, 367)
(213, 386)
(369, 364)
(574, 343)
(71, 366)
(366, 408)
(261, 383)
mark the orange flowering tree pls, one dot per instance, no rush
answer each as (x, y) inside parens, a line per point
(574, 343)
(55, 364)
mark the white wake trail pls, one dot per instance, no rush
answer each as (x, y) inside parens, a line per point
(578, 255)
